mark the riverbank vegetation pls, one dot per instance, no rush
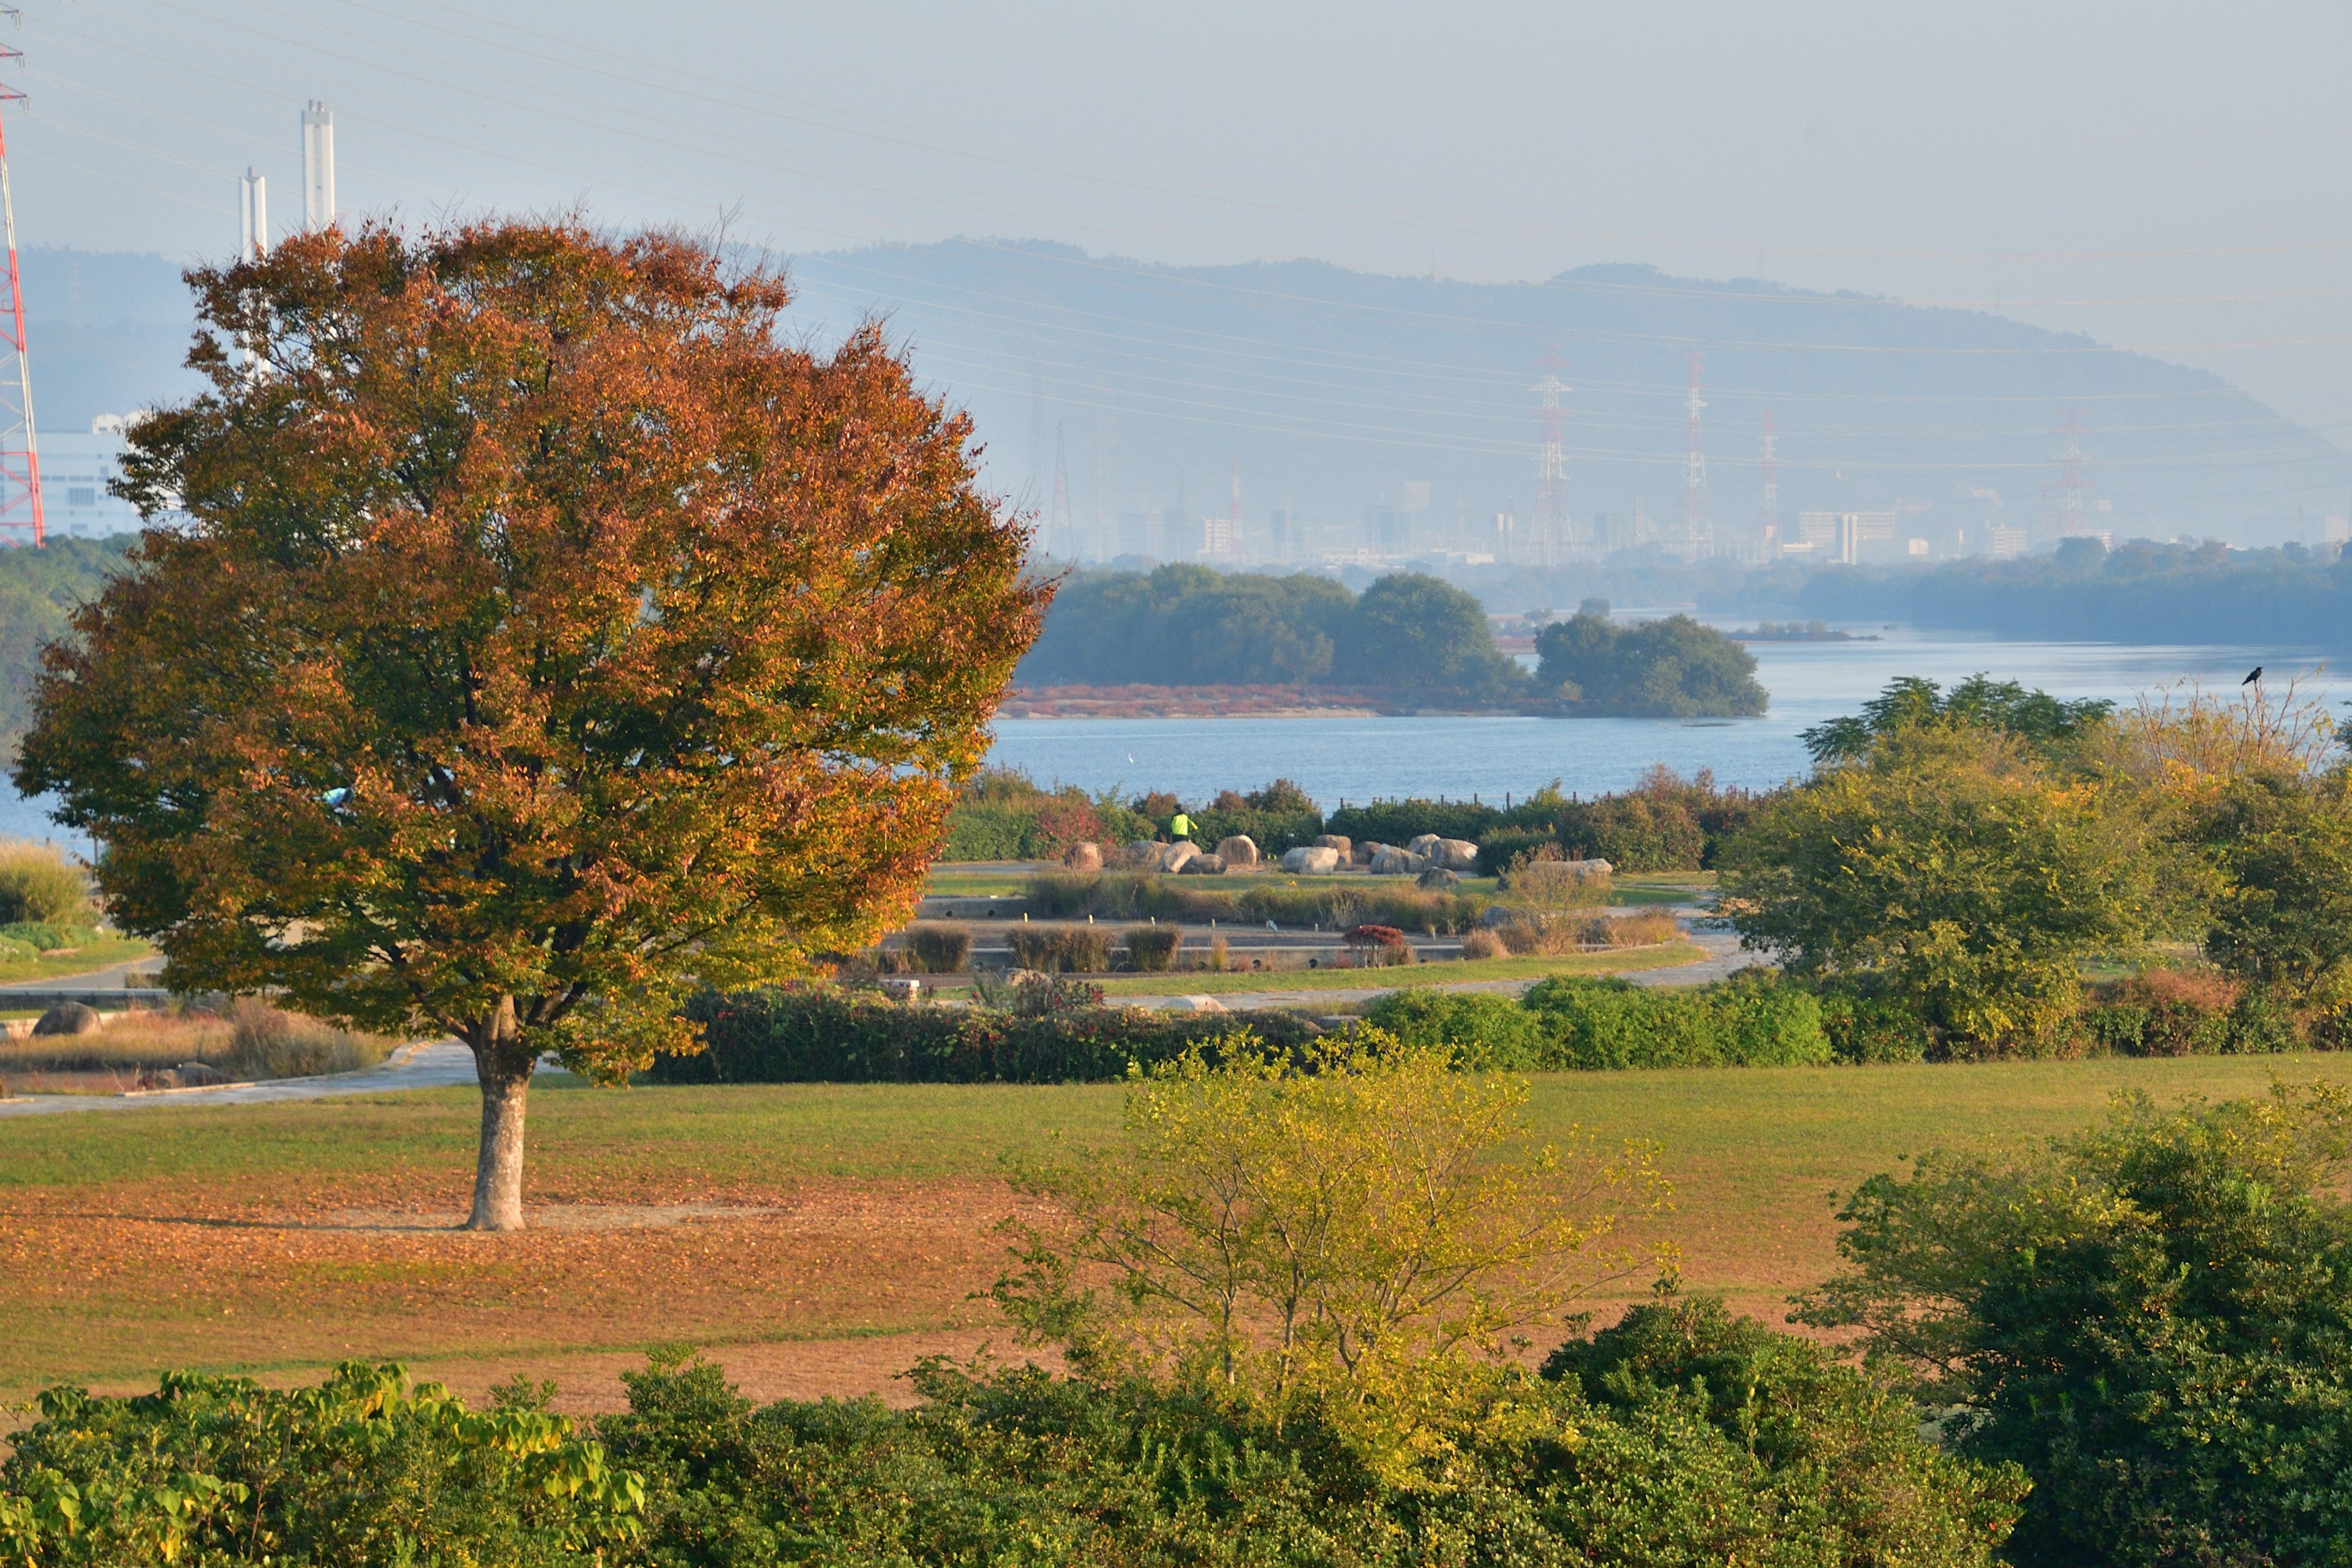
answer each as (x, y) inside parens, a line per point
(1407, 641)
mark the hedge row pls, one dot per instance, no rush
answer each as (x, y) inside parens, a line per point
(821, 1034)
(1608, 1024)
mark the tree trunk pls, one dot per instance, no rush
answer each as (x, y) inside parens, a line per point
(504, 1067)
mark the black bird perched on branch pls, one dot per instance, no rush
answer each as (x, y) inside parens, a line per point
(2257, 675)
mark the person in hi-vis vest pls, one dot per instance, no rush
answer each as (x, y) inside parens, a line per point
(1180, 826)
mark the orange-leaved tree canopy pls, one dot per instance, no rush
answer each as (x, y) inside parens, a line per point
(523, 637)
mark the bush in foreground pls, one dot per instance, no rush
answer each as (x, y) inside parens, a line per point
(366, 1468)
(2153, 1319)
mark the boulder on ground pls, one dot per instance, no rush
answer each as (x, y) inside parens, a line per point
(1311, 860)
(1362, 853)
(1203, 866)
(1144, 853)
(1239, 853)
(70, 1018)
(199, 1074)
(1456, 854)
(1196, 1005)
(1437, 878)
(1388, 861)
(1083, 857)
(1173, 856)
(1424, 845)
(1338, 841)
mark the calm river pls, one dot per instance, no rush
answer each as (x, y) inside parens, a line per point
(1364, 758)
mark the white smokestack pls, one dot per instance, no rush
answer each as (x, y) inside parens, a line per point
(253, 216)
(317, 167)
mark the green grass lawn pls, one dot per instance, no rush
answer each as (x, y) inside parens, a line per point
(287, 1237)
(101, 952)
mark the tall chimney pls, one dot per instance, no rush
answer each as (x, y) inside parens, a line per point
(317, 167)
(253, 216)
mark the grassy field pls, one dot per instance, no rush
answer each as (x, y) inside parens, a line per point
(103, 953)
(1212, 983)
(820, 1238)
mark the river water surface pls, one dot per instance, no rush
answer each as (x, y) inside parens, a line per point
(1363, 759)
(1337, 760)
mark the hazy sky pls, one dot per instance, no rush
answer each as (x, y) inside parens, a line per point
(2170, 176)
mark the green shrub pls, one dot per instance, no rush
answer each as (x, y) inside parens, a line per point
(1487, 1030)
(366, 1468)
(990, 833)
(936, 949)
(1871, 1028)
(821, 1034)
(1636, 832)
(2149, 1317)
(38, 884)
(47, 936)
(1501, 845)
(1690, 1441)
(1152, 949)
(1844, 1439)
(1053, 949)
(1279, 817)
(1745, 1022)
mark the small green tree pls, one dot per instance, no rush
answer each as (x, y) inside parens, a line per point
(2049, 726)
(2283, 918)
(1669, 668)
(1350, 1229)
(2153, 1319)
(1416, 634)
(1952, 871)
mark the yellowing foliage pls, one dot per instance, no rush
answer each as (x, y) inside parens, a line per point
(1363, 1228)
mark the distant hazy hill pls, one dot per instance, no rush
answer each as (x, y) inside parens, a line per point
(1336, 390)
(108, 331)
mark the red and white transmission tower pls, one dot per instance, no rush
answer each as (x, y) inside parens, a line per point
(20, 457)
(1698, 522)
(1551, 527)
(1768, 492)
(2070, 487)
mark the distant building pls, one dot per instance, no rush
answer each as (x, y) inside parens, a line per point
(75, 471)
(2005, 543)
(1845, 536)
(1217, 542)
(2335, 531)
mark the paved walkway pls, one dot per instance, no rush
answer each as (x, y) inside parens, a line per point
(135, 972)
(435, 1065)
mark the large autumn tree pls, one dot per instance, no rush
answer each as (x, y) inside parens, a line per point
(523, 636)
